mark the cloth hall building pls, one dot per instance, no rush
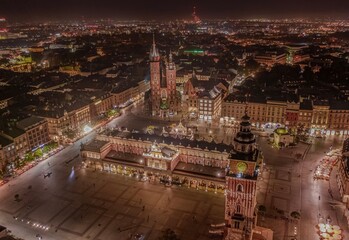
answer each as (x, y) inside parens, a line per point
(217, 167)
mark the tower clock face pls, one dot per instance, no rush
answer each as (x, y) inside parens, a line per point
(242, 167)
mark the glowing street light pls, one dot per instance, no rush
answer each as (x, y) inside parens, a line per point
(87, 129)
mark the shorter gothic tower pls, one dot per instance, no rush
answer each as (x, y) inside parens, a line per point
(241, 182)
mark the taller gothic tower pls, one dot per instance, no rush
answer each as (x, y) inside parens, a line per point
(155, 77)
(164, 98)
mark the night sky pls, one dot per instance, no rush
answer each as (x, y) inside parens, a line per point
(32, 10)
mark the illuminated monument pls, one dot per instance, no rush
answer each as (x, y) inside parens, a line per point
(164, 97)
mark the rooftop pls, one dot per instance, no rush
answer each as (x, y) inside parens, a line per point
(30, 122)
(198, 169)
(209, 146)
(95, 145)
(127, 157)
(5, 141)
(14, 132)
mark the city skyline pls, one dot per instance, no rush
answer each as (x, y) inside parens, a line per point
(40, 10)
(193, 129)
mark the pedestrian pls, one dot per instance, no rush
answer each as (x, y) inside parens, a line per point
(319, 198)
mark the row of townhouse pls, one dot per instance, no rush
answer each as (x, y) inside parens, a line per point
(321, 117)
(27, 135)
(35, 131)
(77, 117)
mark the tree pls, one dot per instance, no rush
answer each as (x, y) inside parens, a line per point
(46, 148)
(17, 162)
(169, 234)
(38, 153)
(112, 113)
(29, 157)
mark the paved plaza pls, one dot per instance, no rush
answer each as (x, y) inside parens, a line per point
(287, 185)
(77, 203)
(84, 204)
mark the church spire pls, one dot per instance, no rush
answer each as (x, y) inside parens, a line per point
(170, 57)
(154, 53)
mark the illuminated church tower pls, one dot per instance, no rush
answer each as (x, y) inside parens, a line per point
(241, 181)
(164, 97)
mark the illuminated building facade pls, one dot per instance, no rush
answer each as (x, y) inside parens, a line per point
(7, 152)
(318, 117)
(271, 58)
(36, 130)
